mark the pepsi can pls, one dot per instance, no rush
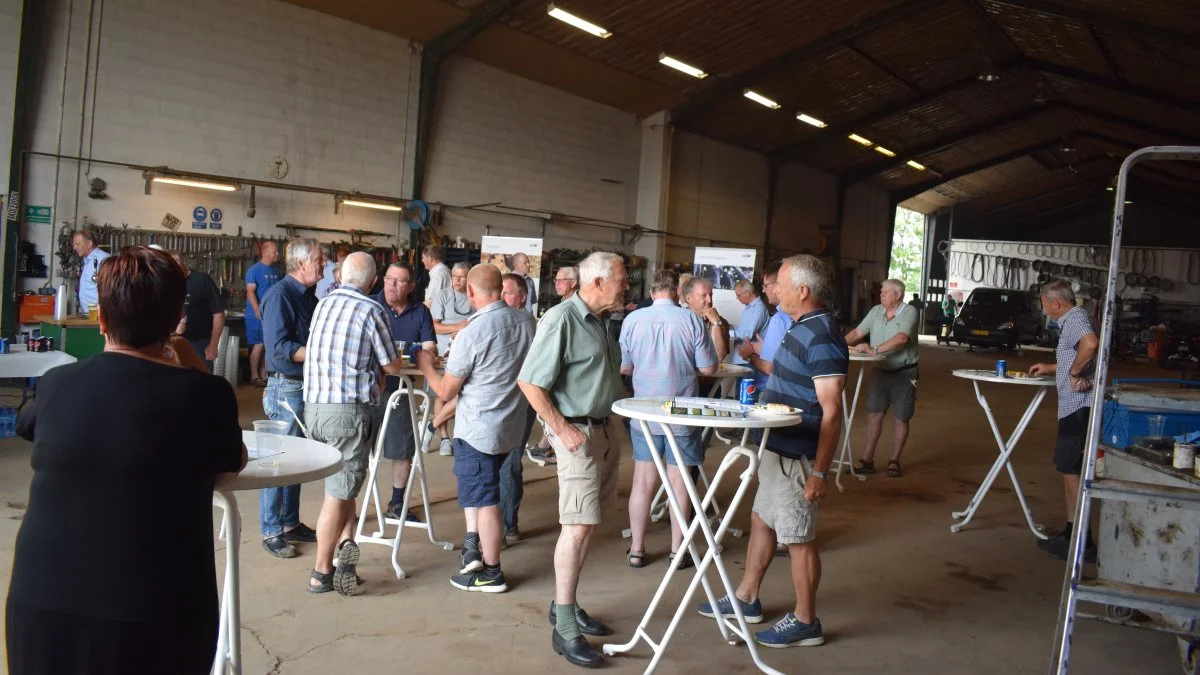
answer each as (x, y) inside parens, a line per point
(747, 391)
(1002, 368)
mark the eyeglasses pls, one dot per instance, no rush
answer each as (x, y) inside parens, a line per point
(562, 281)
(458, 277)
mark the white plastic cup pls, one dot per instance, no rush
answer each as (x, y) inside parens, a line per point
(1156, 424)
(268, 439)
(1185, 456)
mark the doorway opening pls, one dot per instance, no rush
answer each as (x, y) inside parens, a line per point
(908, 251)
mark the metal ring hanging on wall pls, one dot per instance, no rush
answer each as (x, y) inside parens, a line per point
(990, 247)
(1006, 249)
(1022, 249)
(977, 263)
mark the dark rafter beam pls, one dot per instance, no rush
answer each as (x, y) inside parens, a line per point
(802, 147)
(877, 65)
(1109, 59)
(943, 142)
(1101, 20)
(1101, 199)
(735, 83)
(1095, 80)
(448, 41)
(962, 210)
(1174, 135)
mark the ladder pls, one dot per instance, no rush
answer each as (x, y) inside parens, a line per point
(1075, 587)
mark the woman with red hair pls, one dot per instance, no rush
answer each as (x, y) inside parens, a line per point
(114, 564)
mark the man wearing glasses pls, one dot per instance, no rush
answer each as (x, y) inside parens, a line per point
(411, 322)
(451, 308)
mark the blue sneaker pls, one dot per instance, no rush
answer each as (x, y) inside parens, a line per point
(790, 632)
(751, 610)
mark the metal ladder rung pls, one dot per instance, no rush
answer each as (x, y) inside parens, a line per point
(1142, 598)
(1144, 493)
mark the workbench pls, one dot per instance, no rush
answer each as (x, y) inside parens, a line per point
(78, 336)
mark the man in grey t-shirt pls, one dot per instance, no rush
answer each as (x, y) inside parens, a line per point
(482, 373)
(450, 309)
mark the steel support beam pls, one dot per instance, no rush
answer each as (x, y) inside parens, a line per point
(748, 77)
(1171, 135)
(27, 53)
(1095, 80)
(1101, 20)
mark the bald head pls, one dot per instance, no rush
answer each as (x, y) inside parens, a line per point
(358, 270)
(484, 283)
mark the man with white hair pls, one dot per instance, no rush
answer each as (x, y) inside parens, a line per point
(754, 316)
(697, 296)
(481, 374)
(287, 310)
(891, 327)
(1074, 367)
(808, 373)
(439, 275)
(259, 279)
(566, 283)
(571, 377)
(520, 267)
(450, 309)
(348, 343)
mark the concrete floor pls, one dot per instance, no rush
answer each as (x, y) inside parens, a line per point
(900, 594)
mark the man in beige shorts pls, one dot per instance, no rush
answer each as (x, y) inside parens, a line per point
(571, 377)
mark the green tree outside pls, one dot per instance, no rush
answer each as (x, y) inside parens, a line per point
(906, 250)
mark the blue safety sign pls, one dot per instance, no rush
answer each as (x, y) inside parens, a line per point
(215, 215)
(199, 214)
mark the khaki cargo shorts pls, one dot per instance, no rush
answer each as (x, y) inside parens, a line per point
(349, 427)
(587, 478)
(780, 501)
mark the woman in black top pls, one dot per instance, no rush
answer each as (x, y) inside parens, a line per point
(114, 564)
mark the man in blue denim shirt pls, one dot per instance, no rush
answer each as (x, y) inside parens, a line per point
(287, 311)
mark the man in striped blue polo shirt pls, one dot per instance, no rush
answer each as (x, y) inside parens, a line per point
(808, 372)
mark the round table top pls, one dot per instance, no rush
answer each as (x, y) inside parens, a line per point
(867, 358)
(303, 460)
(651, 410)
(21, 363)
(990, 376)
(732, 370)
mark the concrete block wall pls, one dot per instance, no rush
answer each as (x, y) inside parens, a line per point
(718, 193)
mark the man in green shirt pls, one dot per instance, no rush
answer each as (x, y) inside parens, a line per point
(890, 329)
(571, 377)
(949, 310)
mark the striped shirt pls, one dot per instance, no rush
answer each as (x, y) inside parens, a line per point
(665, 345)
(814, 347)
(348, 343)
(1073, 326)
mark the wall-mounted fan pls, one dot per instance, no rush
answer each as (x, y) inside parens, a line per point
(415, 214)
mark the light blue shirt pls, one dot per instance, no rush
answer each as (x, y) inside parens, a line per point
(772, 338)
(665, 345)
(326, 283)
(754, 319)
(87, 279)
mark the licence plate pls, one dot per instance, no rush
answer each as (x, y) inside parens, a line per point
(979, 332)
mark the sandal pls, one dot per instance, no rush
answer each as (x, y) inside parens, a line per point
(637, 559)
(345, 581)
(685, 561)
(326, 580)
(893, 470)
(864, 467)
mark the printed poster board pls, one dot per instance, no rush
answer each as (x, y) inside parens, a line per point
(724, 267)
(498, 251)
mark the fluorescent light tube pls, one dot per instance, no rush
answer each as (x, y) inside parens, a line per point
(915, 165)
(372, 205)
(681, 66)
(581, 24)
(223, 187)
(809, 119)
(884, 151)
(859, 139)
(759, 98)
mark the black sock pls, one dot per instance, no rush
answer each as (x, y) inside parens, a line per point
(397, 495)
(492, 568)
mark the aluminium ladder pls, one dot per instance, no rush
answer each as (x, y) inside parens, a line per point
(1075, 587)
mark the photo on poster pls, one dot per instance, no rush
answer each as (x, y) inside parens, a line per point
(724, 267)
(725, 277)
(499, 251)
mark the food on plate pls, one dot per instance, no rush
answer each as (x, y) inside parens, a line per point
(774, 408)
(1018, 374)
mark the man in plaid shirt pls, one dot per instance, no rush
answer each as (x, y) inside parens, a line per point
(348, 342)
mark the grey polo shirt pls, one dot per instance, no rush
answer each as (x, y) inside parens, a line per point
(487, 355)
(880, 330)
(449, 307)
(574, 360)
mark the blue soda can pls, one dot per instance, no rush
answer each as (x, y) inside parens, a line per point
(1002, 368)
(3, 345)
(747, 391)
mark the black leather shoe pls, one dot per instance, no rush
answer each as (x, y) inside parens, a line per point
(587, 625)
(279, 547)
(301, 534)
(578, 651)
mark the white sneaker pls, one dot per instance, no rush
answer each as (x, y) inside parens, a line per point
(446, 450)
(427, 441)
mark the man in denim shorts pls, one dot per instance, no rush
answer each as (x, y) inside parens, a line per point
(808, 372)
(348, 343)
(482, 372)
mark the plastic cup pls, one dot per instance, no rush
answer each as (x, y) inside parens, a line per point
(268, 439)
(1156, 424)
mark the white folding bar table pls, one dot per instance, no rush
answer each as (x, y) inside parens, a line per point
(1043, 385)
(846, 456)
(302, 460)
(416, 476)
(651, 410)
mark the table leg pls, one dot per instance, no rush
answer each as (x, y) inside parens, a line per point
(846, 455)
(658, 506)
(720, 390)
(229, 643)
(1002, 461)
(711, 557)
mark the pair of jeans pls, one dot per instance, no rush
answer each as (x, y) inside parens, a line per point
(512, 481)
(279, 508)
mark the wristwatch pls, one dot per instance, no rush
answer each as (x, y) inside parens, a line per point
(818, 474)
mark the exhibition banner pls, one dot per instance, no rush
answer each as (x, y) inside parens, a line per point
(724, 267)
(499, 251)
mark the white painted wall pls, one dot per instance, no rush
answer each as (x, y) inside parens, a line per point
(718, 194)
(866, 233)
